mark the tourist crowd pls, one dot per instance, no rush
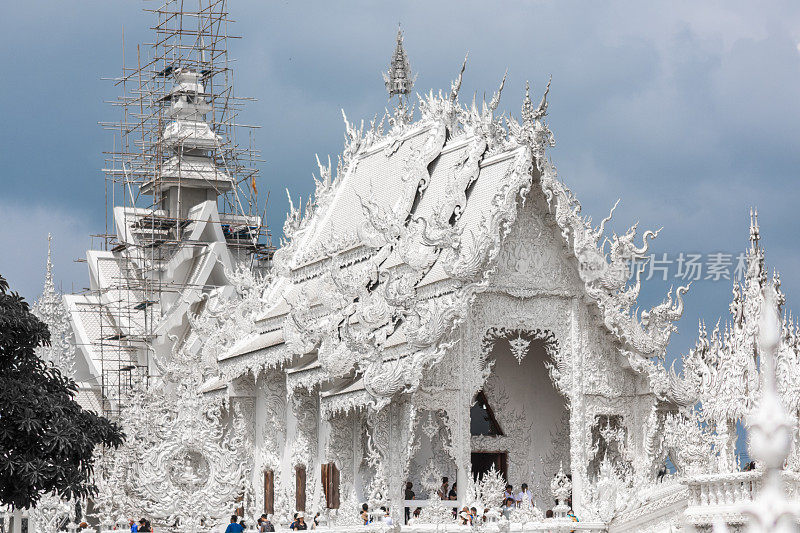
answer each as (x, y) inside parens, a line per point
(466, 516)
(469, 515)
(264, 523)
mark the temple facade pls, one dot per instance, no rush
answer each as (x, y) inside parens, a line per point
(440, 308)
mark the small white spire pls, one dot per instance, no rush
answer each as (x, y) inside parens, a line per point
(755, 235)
(50, 309)
(398, 78)
(49, 285)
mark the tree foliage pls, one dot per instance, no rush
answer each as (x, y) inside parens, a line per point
(46, 439)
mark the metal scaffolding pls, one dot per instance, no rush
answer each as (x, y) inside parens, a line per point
(142, 165)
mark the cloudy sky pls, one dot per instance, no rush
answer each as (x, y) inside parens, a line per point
(687, 111)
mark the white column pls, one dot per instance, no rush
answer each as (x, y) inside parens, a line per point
(578, 436)
(17, 517)
(397, 440)
(358, 454)
(462, 442)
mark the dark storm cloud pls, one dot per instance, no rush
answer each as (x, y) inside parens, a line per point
(687, 112)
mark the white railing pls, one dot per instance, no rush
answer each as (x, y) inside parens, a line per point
(545, 526)
(721, 495)
(723, 489)
(413, 504)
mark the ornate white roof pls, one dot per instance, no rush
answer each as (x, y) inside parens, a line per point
(380, 267)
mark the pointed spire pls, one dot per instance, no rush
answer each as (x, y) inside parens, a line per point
(398, 78)
(50, 309)
(49, 286)
(755, 257)
(754, 232)
(48, 296)
(527, 105)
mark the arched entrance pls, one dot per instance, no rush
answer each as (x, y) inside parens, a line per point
(518, 419)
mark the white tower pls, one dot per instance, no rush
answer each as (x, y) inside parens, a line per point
(190, 175)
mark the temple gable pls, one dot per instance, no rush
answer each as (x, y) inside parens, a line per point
(532, 258)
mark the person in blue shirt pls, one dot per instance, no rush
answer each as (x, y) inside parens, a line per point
(234, 526)
(134, 527)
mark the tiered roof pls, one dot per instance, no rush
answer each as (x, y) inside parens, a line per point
(378, 272)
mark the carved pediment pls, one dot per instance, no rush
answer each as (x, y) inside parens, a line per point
(532, 257)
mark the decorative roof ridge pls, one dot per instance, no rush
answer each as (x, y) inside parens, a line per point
(604, 265)
(358, 140)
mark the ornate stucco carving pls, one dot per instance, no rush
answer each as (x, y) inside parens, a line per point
(721, 379)
(50, 309)
(180, 462)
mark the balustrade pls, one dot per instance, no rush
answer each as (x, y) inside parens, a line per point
(726, 489)
(548, 526)
(722, 495)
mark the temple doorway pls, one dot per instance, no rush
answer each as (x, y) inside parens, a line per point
(482, 462)
(518, 418)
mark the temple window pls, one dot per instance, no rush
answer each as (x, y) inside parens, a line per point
(609, 437)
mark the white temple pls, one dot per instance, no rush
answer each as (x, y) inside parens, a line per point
(439, 308)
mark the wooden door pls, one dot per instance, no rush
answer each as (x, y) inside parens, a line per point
(330, 485)
(300, 488)
(269, 492)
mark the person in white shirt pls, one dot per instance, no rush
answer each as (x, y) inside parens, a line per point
(386, 518)
(443, 490)
(525, 494)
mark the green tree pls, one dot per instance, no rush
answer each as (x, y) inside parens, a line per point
(47, 440)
